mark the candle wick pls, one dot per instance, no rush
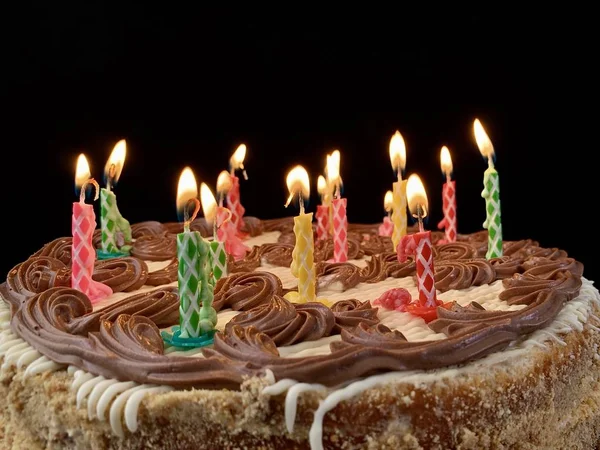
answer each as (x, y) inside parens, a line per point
(399, 173)
(490, 161)
(244, 173)
(84, 186)
(420, 218)
(187, 220)
(448, 177)
(301, 201)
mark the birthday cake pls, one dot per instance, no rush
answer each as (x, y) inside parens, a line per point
(232, 332)
(510, 361)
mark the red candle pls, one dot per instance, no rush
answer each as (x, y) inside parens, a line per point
(340, 230)
(448, 223)
(419, 244)
(322, 216)
(83, 254)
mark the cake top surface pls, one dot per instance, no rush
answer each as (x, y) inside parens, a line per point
(487, 306)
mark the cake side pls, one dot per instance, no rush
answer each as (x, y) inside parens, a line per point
(535, 404)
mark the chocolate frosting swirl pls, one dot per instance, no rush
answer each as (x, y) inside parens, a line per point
(287, 237)
(351, 313)
(38, 274)
(276, 254)
(374, 271)
(346, 274)
(246, 290)
(462, 274)
(166, 275)
(283, 225)
(247, 264)
(396, 269)
(377, 244)
(148, 228)
(454, 251)
(324, 249)
(121, 274)
(286, 323)
(59, 249)
(155, 248)
(507, 266)
(252, 225)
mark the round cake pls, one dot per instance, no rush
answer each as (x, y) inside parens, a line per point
(509, 359)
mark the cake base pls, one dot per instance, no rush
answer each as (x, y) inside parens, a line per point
(550, 400)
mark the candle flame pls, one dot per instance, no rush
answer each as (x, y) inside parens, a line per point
(483, 141)
(397, 152)
(321, 185)
(388, 201)
(115, 162)
(237, 159)
(209, 204)
(446, 160)
(417, 197)
(223, 183)
(187, 190)
(297, 183)
(82, 171)
(333, 167)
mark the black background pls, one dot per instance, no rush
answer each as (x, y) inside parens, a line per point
(186, 87)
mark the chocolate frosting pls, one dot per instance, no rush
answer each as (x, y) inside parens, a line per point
(148, 228)
(462, 274)
(59, 249)
(166, 275)
(324, 249)
(155, 248)
(283, 225)
(346, 274)
(246, 290)
(351, 313)
(123, 340)
(277, 254)
(377, 244)
(286, 323)
(121, 274)
(247, 264)
(454, 251)
(252, 225)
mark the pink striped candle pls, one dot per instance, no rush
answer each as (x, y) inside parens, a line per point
(83, 254)
(340, 230)
(448, 223)
(419, 246)
(234, 204)
(227, 233)
(322, 216)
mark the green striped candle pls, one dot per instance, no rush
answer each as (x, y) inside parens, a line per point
(188, 282)
(493, 223)
(218, 260)
(112, 223)
(207, 316)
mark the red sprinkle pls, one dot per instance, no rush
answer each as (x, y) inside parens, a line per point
(396, 298)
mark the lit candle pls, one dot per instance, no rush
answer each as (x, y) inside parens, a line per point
(223, 186)
(302, 256)
(116, 231)
(491, 193)
(419, 244)
(197, 317)
(448, 223)
(322, 214)
(338, 207)
(212, 214)
(398, 160)
(225, 230)
(236, 162)
(387, 227)
(83, 223)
